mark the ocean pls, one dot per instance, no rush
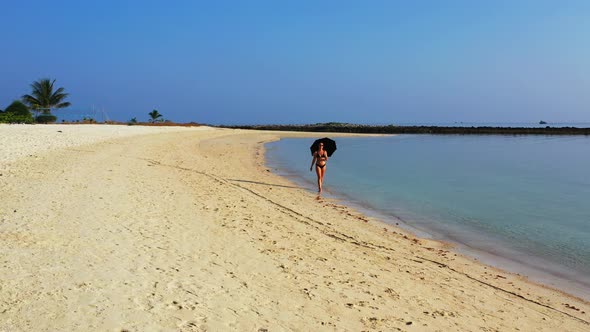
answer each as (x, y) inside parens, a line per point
(521, 203)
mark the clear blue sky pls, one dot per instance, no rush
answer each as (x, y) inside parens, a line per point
(244, 62)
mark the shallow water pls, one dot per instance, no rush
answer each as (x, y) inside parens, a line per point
(523, 201)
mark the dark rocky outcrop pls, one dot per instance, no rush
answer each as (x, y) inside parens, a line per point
(392, 129)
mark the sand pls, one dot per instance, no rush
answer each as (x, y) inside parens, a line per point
(115, 228)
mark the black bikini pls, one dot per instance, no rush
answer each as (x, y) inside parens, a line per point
(320, 166)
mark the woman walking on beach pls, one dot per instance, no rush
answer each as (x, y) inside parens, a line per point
(320, 158)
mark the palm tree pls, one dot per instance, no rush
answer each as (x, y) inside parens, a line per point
(154, 115)
(43, 99)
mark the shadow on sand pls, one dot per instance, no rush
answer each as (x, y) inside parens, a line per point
(262, 183)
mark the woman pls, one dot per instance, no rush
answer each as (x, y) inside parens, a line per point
(320, 157)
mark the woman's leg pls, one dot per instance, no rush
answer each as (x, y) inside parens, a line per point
(318, 171)
(322, 173)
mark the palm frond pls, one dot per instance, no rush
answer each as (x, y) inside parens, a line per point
(62, 105)
(56, 98)
(36, 89)
(31, 101)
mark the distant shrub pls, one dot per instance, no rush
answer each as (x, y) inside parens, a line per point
(18, 108)
(132, 122)
(17, 112)
(46, 118)
(11, 118)
(88, 120)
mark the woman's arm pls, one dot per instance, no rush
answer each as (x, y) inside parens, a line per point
(312, 161)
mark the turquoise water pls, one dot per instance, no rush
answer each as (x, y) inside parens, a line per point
(523, 201)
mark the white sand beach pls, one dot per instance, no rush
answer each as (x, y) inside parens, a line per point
(130, 228)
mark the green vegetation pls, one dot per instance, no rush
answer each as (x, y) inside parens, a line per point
(45, 96)
(46, 118)
(43, 99)
(17, 112)
(154, 116)
(88, 120)
(18, 108)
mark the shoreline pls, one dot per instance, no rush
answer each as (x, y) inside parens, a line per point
(507, 260)
(188, 230)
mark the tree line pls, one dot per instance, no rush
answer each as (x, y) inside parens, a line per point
(41, 101)
(433, 130)
(45, 97)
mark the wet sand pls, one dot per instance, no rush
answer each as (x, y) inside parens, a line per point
(186, 230)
